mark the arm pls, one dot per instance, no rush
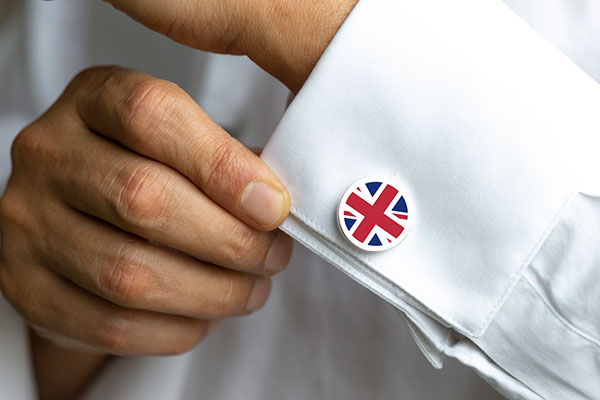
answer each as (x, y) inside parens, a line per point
(60, 372)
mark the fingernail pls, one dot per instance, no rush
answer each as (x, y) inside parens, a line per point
(279, 253)
(262, 203)
(259, 294)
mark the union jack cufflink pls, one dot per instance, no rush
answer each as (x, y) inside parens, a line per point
(373, 214)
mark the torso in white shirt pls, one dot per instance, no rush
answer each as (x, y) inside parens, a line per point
(320, 336)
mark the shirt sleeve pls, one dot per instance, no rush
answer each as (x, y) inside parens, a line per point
(492, 131)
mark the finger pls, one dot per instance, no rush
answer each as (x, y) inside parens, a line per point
(159, 120)
(150, 200)
(135, 273)
(53, 303)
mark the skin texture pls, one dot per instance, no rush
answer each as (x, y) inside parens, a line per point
(52, 363)
(106, 246)
(284, 37)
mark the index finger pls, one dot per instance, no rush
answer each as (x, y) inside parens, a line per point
(159, 120)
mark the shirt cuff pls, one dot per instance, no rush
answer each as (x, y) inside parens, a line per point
(482, 120)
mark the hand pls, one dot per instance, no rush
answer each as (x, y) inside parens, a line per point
(131, 220)
(284, 37)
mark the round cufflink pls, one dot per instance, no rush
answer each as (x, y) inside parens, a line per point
(373, 214)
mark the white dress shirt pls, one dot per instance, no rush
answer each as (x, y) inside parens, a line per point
(530, 334)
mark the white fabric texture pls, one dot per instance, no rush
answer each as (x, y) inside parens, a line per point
(494, 131)
(320, 336)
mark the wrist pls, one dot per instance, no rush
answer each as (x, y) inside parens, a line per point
(59, 372)
(290, 36)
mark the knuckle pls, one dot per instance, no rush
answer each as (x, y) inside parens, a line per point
(240, 251)
(92, 77)
(115, 332)
(224, 158)
(29, 145)
(230, 299)
(125, 279)
(226, 302)
(83, 78)
(148, 104)
(141, 194)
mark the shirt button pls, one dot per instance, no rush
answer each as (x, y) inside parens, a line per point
(373, 214)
